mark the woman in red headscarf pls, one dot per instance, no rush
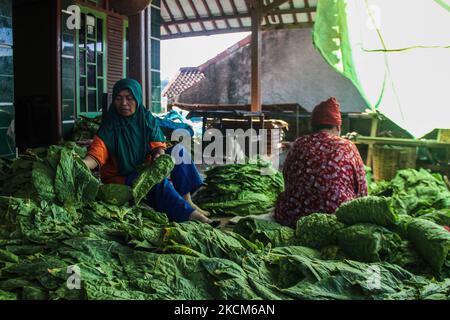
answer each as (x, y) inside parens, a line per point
(322, 170)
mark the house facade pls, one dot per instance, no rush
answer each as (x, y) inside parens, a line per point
(59, 60)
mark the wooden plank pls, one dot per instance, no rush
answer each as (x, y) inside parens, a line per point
(256, 48)
(373, 133)
(115, 50)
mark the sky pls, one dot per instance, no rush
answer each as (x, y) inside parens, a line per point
(194, 51)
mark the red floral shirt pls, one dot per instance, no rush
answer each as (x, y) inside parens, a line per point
(321, 171)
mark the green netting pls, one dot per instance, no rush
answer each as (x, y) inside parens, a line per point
(396, 55)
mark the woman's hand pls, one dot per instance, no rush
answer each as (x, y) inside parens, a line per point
(90, 162)
(156, 153)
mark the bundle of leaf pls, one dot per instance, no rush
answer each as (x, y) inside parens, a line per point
(368, 242)
(376, 210)
(407, 257)
(202, 240)
(246, 203)
(439, 216)
(303, 276)
(413, 190)
(265, 232)
(431, 241)
(85, 128)
(317, 230)
(151, 175)
(40, 222)
(240, 189)
(116, 194)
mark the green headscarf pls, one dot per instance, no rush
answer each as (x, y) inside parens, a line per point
(128, 138)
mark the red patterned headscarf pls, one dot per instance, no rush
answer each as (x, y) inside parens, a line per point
(327, 113)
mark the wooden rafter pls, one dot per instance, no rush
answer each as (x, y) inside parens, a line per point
(309, 13)
(183, 14)
(272, 6)
(235, 11)
(280, 19)
(205, 33)
(210, 19)
(256, 48)
(238, 16)
(295, 10)
(197, 15)
(168, 31)
(294, 16)
(222, 13)
(287, 26)
(208, 10)
(171, 15)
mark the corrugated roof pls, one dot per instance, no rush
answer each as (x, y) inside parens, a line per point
(184, 79)
(187, 18)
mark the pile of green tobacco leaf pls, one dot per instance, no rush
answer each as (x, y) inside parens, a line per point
(240, 189)
(64, 236)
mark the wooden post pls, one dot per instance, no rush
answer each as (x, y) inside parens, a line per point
(137, 50)
(256, 48)
(373, 133)
(148, 58)
(57, 133)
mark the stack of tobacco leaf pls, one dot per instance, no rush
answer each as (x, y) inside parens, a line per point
(240, 189)
(59, 241)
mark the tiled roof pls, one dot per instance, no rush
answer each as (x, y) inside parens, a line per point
(184, 79)
(187, 77)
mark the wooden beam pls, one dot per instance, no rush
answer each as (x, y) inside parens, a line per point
(256, 48)
(208, 19)
(137, 49)
(373, 133)
(272, 6)
(401, 142)
(288, 26)
(234, 16)
(204, 33)
(56, 87)
(270, 27)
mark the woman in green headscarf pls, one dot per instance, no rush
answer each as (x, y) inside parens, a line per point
(130, 136)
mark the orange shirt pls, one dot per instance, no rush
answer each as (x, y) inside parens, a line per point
(109, 168)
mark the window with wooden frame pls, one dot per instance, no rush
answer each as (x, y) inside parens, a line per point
(91, 62)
